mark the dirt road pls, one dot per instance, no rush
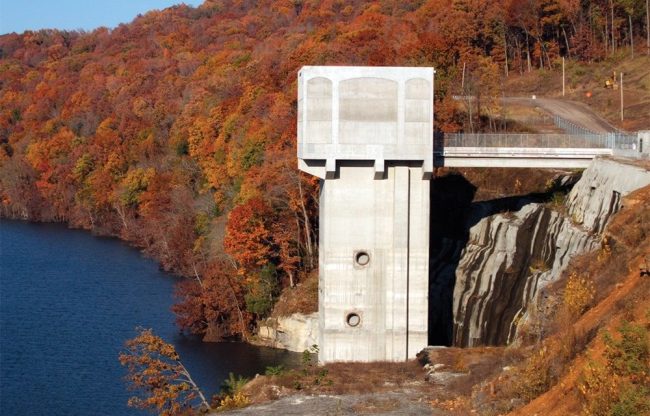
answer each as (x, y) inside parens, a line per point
(577, 113)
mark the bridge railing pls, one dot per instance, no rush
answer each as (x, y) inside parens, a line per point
(619, 141)
(623, 141)
(570, 127)
(551, 140)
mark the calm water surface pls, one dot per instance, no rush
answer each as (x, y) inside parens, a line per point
(68, 301)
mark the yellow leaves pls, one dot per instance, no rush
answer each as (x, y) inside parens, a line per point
(106, 127)
(115, 164)
(233, 401)
(535, 377)
(134, 183)
(598, 388)
(578, 293)
(605, 251)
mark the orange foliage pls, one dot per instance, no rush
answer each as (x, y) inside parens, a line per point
(154, 130)
(154, 369)
(248, 237)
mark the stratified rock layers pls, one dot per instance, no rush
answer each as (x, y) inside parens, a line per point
(511, 257)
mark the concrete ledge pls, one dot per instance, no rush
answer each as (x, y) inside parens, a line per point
(363, 113)
(518, 157)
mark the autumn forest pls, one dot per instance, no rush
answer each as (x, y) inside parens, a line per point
(176, 132)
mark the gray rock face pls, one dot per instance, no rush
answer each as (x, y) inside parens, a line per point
(511, 257)
(598, 193)
(297, 332)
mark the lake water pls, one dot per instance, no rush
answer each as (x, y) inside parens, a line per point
(68, 301)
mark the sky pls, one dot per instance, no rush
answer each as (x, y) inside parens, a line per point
(20, 15)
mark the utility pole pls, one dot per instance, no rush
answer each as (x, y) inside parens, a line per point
(621, 95)
(563, 82)
(563, 76)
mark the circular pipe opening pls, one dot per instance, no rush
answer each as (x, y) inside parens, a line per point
(353, 319)
(362, 258)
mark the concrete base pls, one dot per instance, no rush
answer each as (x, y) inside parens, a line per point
(374, 250)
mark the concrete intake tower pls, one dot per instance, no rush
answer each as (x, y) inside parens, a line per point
(367, 132)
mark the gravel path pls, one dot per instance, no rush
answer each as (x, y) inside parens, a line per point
(392, 403)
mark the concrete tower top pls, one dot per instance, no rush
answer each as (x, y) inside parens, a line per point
(373, 114)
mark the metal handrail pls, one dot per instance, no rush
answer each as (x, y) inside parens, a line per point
(533, 140)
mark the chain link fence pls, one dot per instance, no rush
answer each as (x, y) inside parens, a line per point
(552, 140)
(571, 128)
(575, 137)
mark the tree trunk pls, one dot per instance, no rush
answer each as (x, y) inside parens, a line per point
(196, 275)
(629, 18)
(121, 213)
(518, 52)
(528, 52)
(505, 51)
(647, 24)
(194, 386)
(612, 31)
(307, 226)
(471, 119)
(606, 35)
(239, 312)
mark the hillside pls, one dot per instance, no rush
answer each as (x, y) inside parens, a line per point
(585, 82)
(585, 352)
(176, 132)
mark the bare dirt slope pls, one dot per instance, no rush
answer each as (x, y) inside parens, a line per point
(577, 113)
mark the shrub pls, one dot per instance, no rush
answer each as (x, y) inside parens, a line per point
(558, 199)
(233, 401)
(260, 297)
(578, 293)
(233, 385)
(622, 385)
(274, 370)
(633, 401)
(234, 397)
(629, 356)
(534, 378)
(598, 389)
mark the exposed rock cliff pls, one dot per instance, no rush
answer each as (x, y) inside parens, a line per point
(297, 332)
(511, 257)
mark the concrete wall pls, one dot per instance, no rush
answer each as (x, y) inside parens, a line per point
(368, 132)
(387, 221)
(364, 113)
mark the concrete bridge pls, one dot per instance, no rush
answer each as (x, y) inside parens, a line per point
(367, 132)
(525, 150)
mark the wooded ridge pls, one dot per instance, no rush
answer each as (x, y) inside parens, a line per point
(176, 132)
